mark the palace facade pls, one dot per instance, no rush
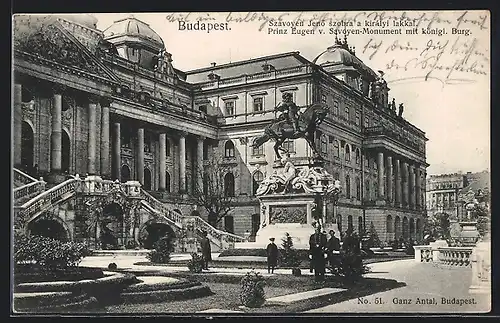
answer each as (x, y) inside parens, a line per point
(111, 103)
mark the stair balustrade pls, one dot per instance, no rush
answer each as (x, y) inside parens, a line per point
(22, 177)
(28, 190)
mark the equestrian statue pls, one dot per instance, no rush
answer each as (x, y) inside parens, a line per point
(292, 125)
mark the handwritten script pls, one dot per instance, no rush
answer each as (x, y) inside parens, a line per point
(449, 47)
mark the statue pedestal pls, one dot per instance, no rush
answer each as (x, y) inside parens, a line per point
(469, 234)
(284, 213)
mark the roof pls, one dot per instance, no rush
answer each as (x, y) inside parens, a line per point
(251, 66)
(86, 20)
(132, 26)
(477, 181)
(339, 55)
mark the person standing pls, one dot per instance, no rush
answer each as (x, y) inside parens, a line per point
(272, 256)
(206, 252)
(317, 244)
(333, 247)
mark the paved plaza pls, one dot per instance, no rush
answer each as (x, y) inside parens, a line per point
(427, 286)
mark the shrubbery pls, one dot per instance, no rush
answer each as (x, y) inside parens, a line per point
(252, 290)
(48, 252)
(195, 264)
(288, 255)
(161, 253)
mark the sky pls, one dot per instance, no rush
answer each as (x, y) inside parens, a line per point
(442, 79)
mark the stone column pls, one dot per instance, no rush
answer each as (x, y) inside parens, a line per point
(405, 184)
(398, 183)
(18, 122)
(116, 151)
(389, 179)
(380, 166)
(411, 185)
(163, 160)
(199, 163)
(182, 163)
(140, 155)
(92, 139)
(105, 143)
(418, 201)
(56, 138)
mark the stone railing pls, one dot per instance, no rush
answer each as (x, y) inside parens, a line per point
(162, 208)
(455, 256)
(223, 239)
(423, 253)
(46, 200)
(29, 190)
(22, 177)
(481, 268)
(451, 256)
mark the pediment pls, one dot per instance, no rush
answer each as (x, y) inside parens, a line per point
(49, 40)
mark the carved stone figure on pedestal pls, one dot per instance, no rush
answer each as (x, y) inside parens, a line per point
(401, 108)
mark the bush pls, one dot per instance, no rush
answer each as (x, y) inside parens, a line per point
(48, 252)
(296, 272)
(252, 290)
(161, 253)
(195, 264)
(373, 239)
(351, 266)
(131, 244)
(112, 266)
(409, 248)
(289, 257)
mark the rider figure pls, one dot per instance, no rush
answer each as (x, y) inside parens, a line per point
(291, 110)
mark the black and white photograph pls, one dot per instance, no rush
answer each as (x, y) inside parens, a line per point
(251, 163)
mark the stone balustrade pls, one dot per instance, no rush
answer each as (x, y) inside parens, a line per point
(29, 190)
(451, 256)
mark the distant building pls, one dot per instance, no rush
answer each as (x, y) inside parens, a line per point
(445, 191)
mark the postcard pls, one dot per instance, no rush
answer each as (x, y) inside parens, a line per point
(236, 163)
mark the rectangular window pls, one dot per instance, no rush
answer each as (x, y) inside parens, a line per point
(347, 113)
(367, 122)
(258, 104)
(229, 107)
(258, 151)
(323, 98)
(336, 149)
(358, 120)
(336, 108)
(289, 145)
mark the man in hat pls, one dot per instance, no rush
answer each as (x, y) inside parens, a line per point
(333, 247)
(272, 255)
(206, 252)
(290, 111)
(317, 245)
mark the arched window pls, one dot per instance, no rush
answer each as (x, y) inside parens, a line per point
(360, 225)
(336, 149)
(389, 224)
(229, 223)
(324, 144)
(229, 184)
(167, 147)
(358, 189)
(367, 190)
(167, 182)
(147, 179)
(347, 186)
(339, 223)
(358, 156)
(257, 151)
(229, 149)
(349, 223)
(257, 178)
(347, 153)
(406, 229)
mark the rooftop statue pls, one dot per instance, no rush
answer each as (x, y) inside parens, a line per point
(292, 125)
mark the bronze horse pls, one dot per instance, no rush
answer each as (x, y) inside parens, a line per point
(281, 129)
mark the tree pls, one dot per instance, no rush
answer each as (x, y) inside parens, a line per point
(217, 194)
(289, 255)
(373, 239)
(438, 226)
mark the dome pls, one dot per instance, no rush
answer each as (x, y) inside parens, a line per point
(86, 20)
(132, 27)
(340, 54)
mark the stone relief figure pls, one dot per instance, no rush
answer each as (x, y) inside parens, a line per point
(288, 174)
(393, 105)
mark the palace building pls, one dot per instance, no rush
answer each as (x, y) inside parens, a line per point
(111, 104)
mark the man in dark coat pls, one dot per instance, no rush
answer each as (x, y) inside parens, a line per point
(272, 256)
(332, 245)
(206, 252)
(317, 245)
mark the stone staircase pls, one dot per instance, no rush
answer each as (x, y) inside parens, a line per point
(26, 187)
(30, 208)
